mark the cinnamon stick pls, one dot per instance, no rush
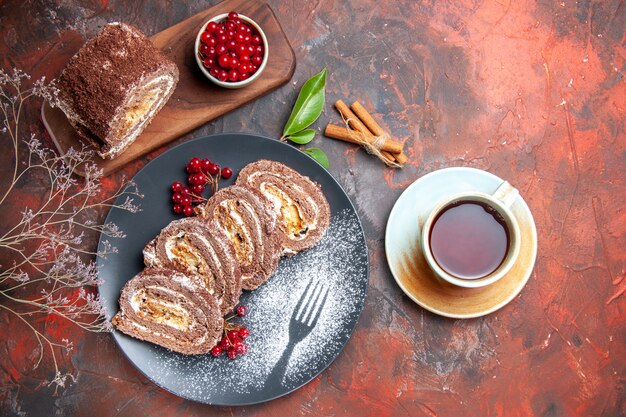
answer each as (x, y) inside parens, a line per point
(375, 128)
(356, 124)
(347, 135)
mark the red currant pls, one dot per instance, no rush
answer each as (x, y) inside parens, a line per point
(244, 59)
(238, 345)
(226, 174)
(244, 332)
(243, 68)
(211, 27)
(229, 25)
(241, 50)
(233, 15)
(224, 343)
(232, 353)
(176, 187)
(233, 336)
(220, 49)
(256, 40)
(251, 49)
(257, 60)
(231, 45)
(239, 38)
(194, 164)
(185, 191)
(259, 50)
(222, 76)
(214, 169)
(233, 75)
(214, 72)
(224, 61)
(205, 37)
(241, 310)
(185, 201)
(191, 179)
(242, 28)
(216, 351)
(188, 211)
(223, 38)
(198, 189)
(208, 62)
(204, 167)
(244, 76)
(241, 348)
(234, 62)
(177, 198)
(178, 208)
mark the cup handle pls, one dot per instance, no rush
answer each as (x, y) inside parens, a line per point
(506, 193)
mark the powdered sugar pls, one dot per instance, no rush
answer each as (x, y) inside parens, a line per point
(339, 261)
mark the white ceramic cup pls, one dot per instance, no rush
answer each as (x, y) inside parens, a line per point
(501, 201)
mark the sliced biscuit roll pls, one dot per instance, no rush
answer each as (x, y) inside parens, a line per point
(114, 86)
(170, 309)
(195, 247)
(302, 212)
(250, 230)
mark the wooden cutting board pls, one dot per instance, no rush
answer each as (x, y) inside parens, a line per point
(196, 100)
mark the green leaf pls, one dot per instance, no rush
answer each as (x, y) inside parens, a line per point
(309, 104)
(318, 155)
(303, 137)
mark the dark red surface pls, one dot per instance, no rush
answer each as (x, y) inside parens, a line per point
(533, 92)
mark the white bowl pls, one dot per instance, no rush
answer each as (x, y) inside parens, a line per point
(228, 84)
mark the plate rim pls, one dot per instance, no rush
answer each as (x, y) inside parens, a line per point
(116, 333)
(510, 297)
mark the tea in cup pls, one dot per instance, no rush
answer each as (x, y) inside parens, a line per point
(472, 239)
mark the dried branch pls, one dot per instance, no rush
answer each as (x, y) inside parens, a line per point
(49, 268)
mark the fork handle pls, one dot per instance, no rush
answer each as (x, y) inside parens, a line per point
(278, 373)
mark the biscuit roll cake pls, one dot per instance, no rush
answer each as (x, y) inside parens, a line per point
(194, 247)
(170, 309)
(114, 86)
(250, 230)
(302, 211)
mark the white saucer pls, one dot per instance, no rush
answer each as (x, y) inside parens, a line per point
(407, 262)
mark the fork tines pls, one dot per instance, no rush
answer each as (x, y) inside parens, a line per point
(311, 303)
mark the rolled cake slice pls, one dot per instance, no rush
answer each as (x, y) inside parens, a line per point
(250, 230)
(302, 211)
(114, 86)
(170, 309)
(194, 247)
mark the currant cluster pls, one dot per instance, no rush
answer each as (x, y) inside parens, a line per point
(232, 342)
(231, 49)
(202, 172)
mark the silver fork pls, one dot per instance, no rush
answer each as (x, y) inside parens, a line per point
(303, 320)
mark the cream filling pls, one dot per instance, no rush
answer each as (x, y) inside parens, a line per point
(228, 206)
(165, 335)
(291, 212)
(160, 311)
(149, 98)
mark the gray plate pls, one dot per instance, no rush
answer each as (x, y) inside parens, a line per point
(272, 367)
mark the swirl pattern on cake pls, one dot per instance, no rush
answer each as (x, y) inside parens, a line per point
(198, 248)
(302, 212)
(170, 309)
(250, 230)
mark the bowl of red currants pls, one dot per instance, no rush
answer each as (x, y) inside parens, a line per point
(231, 50)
